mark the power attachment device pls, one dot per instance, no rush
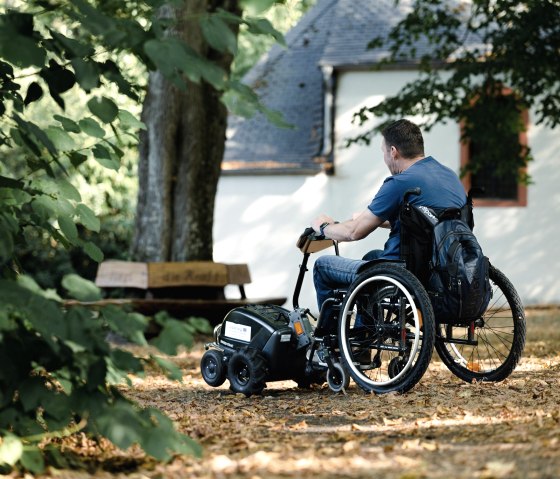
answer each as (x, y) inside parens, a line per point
(255, 344)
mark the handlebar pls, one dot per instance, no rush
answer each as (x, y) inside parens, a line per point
(311, 242)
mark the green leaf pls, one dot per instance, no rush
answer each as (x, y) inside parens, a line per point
(6, 182)
(11, 449)
(44, 206)
(218, 34)
(74, 47)
(68, 124)
(61, 140)
(69, 229)
(77, 158)
(119, 423)
(128, 120)
(87, 73)
(6, 238)
(167, 54)
(126, 361)
(103, 108)
(93, 251)
(201, 325)
(29, 283)
(18, 49)
(80, 288)
(68, 190)
(173, 334)
(105, 157)
(88, 218)
(32, 460)
(129, 325)
(171, 370)
(263, 27)
(34, 93)
(91, 128)
(256, 7)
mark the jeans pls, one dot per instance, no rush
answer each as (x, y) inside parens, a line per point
(335, 272)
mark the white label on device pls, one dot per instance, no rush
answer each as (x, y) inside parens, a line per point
(238, 331)
(285, 338)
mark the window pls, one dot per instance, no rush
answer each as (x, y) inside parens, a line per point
(497, 190)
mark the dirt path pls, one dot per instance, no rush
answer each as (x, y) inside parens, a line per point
(443, 428)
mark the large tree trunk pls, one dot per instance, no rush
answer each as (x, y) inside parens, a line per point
(181, 153)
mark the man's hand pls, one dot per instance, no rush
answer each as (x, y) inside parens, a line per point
(317, 222)
(355, 229)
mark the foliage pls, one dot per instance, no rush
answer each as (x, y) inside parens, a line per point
(467, 53)
(74, 56)
(282, 15)
(64, 375)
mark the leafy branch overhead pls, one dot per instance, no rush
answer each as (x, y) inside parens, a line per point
(490, 59)
(73, 60)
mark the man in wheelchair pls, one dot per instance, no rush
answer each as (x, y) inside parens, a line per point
(403, 152)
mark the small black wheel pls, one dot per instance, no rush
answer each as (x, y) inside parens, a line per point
(212, 368)
(396, 365)
(497, 339)
(247, 372)
(337, 378)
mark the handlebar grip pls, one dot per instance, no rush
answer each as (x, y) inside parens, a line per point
(308, 231)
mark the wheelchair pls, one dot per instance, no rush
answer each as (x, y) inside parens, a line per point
(387, 310)
(381, 331)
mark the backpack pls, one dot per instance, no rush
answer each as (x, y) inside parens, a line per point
(442, 251)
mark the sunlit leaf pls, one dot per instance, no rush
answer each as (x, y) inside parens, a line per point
(103, 108)
(80, 288)
(88, 218)
(128, 120)
(11, 449)
(61, 140)
(68, 124)
(69, 229)
(90, 127)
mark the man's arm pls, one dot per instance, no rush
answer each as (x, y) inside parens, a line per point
(351, 230)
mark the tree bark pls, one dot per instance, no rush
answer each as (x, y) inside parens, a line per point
(181, 153)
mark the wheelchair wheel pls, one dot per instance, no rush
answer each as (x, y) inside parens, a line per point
(386, 329)
(489, 348)
(213, 368)
(247, 372)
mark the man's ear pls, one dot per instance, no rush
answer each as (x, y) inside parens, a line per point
(394, 152)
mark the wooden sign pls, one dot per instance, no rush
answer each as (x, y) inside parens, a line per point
(191, 273)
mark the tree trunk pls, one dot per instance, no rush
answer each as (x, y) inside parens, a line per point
(181, 153)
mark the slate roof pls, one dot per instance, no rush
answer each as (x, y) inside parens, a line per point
(334, 33)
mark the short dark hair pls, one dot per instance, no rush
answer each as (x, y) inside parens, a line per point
(406, 137)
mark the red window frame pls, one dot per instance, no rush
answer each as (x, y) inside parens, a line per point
(521, 188)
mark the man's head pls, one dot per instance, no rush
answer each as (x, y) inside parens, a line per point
(403, 139)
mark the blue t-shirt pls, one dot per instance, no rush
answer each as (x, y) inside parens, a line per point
(441, 188)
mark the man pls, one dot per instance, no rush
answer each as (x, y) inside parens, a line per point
(403, 153)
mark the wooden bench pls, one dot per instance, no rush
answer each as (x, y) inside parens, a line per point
(194, 288)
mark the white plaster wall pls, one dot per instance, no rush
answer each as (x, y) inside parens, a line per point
(258, 219)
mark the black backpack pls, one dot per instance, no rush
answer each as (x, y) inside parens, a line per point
(442, 251)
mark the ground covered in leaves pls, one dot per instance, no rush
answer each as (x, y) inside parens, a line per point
(442, 428)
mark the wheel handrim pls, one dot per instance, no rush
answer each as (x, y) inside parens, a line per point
(411, 315)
